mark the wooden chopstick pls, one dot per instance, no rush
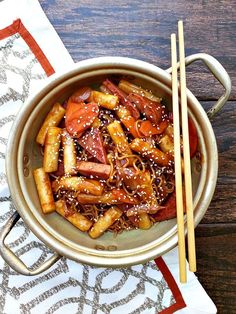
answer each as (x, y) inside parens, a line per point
(186, 150)
(177, 157)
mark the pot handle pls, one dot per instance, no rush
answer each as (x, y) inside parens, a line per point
(12, 260)
(220, 74)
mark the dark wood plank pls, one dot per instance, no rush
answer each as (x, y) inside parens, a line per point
(216, 264)
(223, 205)
(142, 29)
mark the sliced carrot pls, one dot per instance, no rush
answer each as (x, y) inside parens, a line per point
(162, 126)
(79, 117)
(148, 129)
(130, 124)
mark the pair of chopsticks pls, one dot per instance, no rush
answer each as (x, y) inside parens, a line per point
(186, 156)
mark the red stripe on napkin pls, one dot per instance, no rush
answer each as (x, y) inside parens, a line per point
(180, 304)
(18, 27)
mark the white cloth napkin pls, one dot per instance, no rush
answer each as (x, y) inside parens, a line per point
(30, 50)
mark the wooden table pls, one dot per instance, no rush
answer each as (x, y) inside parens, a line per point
(141, 29)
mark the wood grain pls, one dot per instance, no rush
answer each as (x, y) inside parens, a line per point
(141, 29)
(223, 206)
(216, 264)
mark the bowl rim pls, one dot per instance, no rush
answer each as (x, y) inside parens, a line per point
(17, 195)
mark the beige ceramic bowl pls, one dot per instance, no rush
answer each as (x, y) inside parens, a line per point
(23, 155)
